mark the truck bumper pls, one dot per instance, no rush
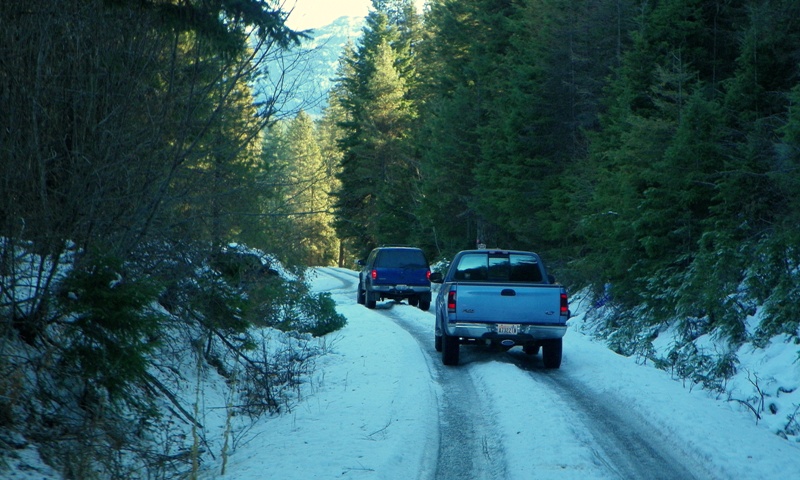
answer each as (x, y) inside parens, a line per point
(489, 331)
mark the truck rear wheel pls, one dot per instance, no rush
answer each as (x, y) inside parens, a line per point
(369, 299)
(450, 349)
(530, 348)
(551, 353)
(424, 305)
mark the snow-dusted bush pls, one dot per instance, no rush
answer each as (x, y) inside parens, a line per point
(135, 359)
(758, 373)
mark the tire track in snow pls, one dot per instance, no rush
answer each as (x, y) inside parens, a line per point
(470, 446)
(624, 442)
(347, 278)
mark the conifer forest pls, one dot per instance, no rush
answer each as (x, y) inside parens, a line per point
(648, 150)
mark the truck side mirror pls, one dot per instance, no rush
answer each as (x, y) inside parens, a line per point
(436, 277)
(551, 279)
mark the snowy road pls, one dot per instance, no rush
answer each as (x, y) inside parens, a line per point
(530, 422)
(381, 406)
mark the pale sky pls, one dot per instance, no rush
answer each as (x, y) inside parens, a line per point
(318, 13)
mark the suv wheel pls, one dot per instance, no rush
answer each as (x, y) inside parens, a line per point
(360, 294)
(369, 300)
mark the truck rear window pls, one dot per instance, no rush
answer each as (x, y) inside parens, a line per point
(401, 259)
(498, 267)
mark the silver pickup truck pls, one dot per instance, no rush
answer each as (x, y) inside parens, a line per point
(503, 298)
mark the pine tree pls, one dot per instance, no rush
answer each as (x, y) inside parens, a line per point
(754, 208)
(644, 219)
(454, 63)
(299, 207)
(376, 195)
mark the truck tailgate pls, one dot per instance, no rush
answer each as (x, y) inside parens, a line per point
(523, 304)
(397, 276)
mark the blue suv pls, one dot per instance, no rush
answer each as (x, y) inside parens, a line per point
(396, 273)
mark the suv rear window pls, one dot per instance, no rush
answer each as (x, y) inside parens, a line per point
(406, 258)
(499, 267)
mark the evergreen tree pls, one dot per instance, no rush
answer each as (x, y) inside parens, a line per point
(453, 94)
(635, 161)
(543, 100)
(329, 135)
(376, 195)
(753, 206)
(299, 208)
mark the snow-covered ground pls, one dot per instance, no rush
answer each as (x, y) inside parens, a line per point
(371, 409)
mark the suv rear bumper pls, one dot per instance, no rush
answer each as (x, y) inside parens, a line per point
(392, 291)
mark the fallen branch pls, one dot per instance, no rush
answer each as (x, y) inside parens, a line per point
(752, 408)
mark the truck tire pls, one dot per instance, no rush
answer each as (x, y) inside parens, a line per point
(437, 342)
(413, 301)
(424, 305)
(450, 349)
(551, 353)
(530, 348)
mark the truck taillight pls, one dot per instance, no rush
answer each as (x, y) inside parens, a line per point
(428, 275)
(451, 301)
(564, 305)
(373, 274)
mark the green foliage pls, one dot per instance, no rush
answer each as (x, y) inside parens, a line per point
(712, 287)
(376, 196)
(302, 178)
(109, 326)
(655, 162)
(289, 306)
(249, 293)
(222, 21)
(711, 371)
(772, 281)
(138, 160)
(661, 161)
(322, 309)
(629, 331)
(220, 303)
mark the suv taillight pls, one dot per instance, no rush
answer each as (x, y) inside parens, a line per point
(451, 301)
(373, 274)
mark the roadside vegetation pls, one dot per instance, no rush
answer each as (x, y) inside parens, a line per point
(133, 174)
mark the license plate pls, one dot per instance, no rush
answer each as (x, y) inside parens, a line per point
(401, 287)
(507, 329)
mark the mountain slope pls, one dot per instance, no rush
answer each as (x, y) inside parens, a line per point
(303, 77)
